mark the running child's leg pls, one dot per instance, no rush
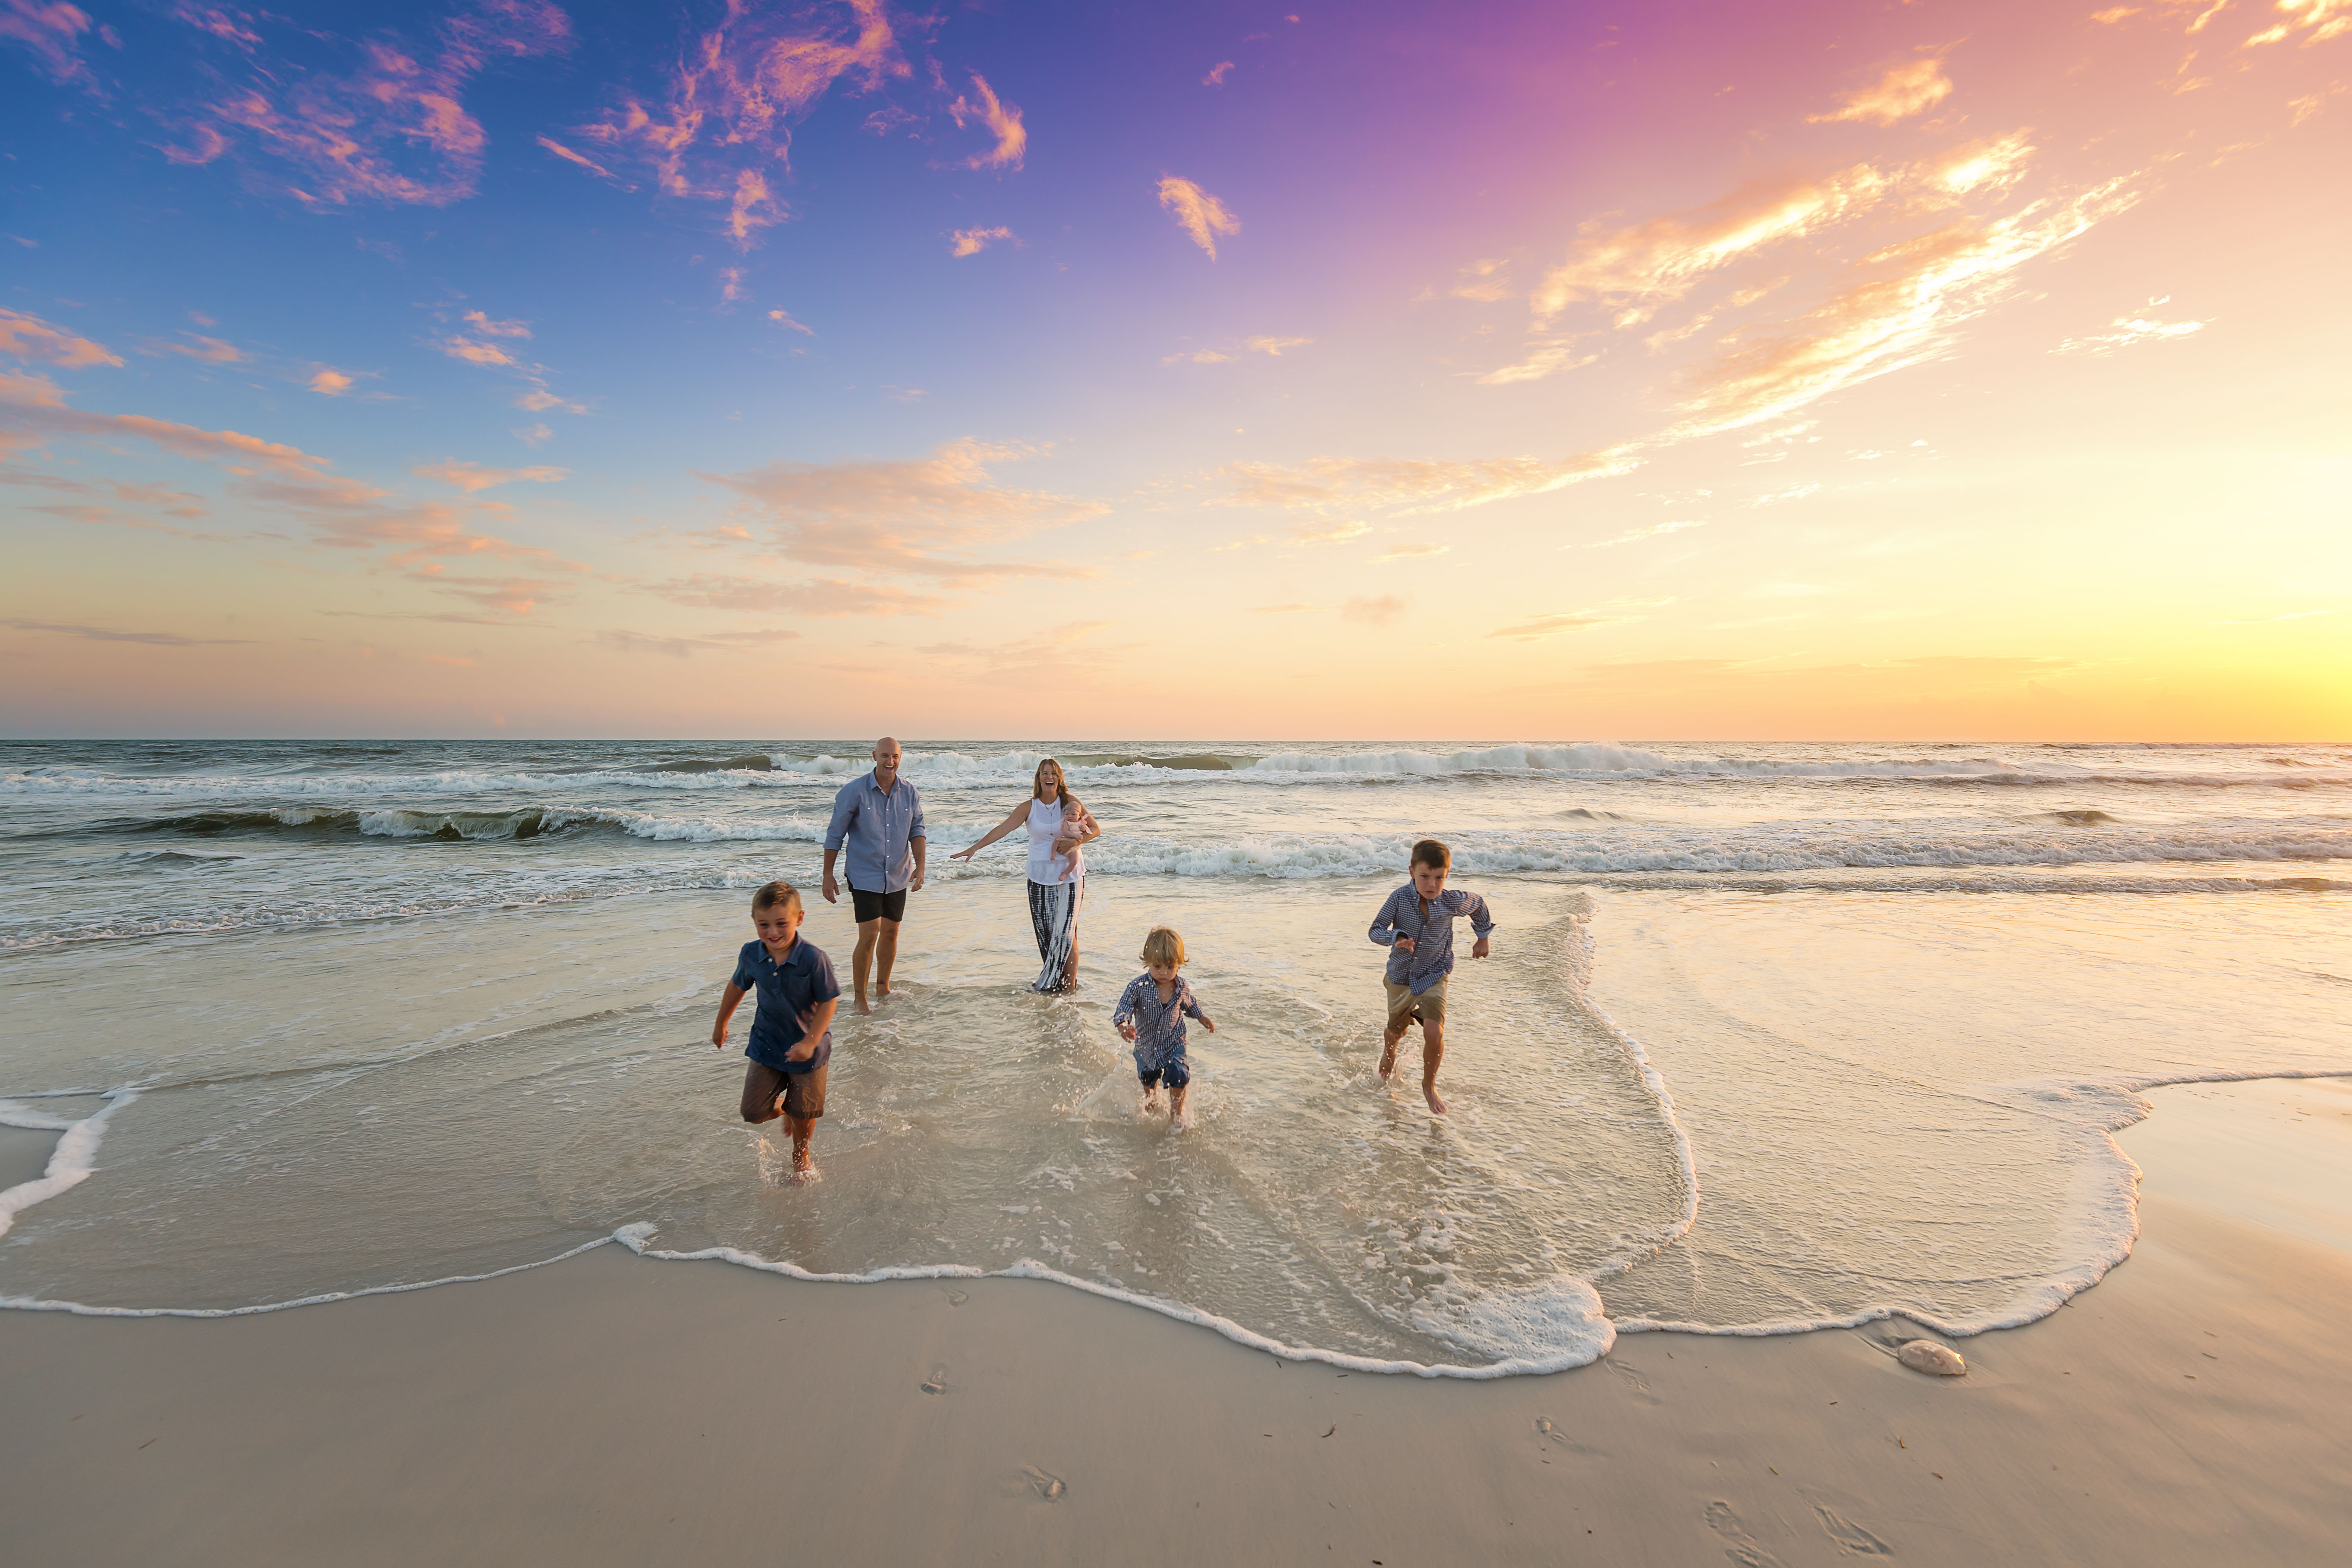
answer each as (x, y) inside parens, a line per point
(1176, 1102)
(1433, 1051)
(803, 1127)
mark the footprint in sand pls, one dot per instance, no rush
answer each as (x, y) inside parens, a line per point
(957, 1298)
(1048, 1487)
(938, 1382)
(1545, 1428)
(1850, 1536)
(1738, 1544)
(1630, 1377)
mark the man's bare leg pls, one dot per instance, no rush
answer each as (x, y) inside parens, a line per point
(1389, 1040)
(886, 953)
(862, 959)
(1433, 1051)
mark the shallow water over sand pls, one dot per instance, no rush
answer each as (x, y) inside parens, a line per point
(378, 1034)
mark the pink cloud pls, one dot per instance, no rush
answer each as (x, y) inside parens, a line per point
(901, 517)
(496, 328)
(1217, 74)
(330, 383)
(473, 477)
(51, 33)
(474, 353)
(820, 596)
(28, 337)
(729, 108)
(973, 241)
(594, 167)
(1002, 119)
(394, 129)
(1198, 212)
(213, 349)
(1912, 87)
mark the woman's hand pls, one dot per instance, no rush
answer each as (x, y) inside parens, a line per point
(966, 853)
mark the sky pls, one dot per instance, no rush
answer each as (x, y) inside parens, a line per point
(1837, 370)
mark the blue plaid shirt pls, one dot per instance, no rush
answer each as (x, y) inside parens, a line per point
(1159, 1026)
(877, 826)
(1432, 958)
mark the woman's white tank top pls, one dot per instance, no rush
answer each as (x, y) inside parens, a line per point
(1045, 866)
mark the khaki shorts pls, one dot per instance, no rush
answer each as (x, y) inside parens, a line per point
(1404, 1007)
(804, 1093)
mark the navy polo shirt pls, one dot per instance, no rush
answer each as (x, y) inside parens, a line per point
(788, 991)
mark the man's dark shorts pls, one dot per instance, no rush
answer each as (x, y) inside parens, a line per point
(804, 1093)
(891, 907)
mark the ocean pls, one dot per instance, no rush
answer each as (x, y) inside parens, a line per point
(1774, 1037)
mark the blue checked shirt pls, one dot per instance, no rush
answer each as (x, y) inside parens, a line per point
(877, 826)
(1159, 1026)
(1432, 958)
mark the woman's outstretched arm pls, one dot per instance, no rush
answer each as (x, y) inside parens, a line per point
(1013, 819)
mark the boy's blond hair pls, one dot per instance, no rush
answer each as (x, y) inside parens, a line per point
(1163, 946)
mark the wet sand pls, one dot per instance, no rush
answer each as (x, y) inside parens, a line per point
(612, 1410)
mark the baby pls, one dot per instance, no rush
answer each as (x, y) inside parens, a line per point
(1151, 1016)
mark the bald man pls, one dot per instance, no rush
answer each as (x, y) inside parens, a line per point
(879, 816)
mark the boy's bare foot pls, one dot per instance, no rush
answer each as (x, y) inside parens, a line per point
(1436, 1106)
(803, 1168)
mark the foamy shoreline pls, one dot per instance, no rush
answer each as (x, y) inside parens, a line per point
(2188, 1410)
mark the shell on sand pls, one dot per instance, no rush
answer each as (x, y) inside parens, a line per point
(1926, 1355)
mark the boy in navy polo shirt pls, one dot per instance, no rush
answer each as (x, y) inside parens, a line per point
(791, 1028)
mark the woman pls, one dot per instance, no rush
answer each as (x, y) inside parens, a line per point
(1059, 831)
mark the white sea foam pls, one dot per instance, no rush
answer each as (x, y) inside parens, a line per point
(70, 1163)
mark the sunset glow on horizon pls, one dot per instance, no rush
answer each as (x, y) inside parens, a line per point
(1847, 371)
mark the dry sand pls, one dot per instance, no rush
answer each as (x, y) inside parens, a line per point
(2191, 1409)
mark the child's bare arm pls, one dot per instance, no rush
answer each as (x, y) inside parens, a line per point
(813, 1024)
(728, 1001)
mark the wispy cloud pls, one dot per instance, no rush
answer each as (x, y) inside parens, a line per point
(214, 351)
(490, 327)
(822, 597)
(1910, 87)
(1003, 122)
(1409, 552)
(1198, 212)
(916, 517)
(28, 337)
(1273, 347)
(686, 648)
(583, 160)
(1617, 612)
(393, 129)
(1053, 653)
(330, 383)
(783, 319)
(1377, 612)
(1652, 532)
(1407, 486)
(2317, 20)
(50, 31)
(105, 634)
(2129, 330)
(1217, 74)
(973, 241)
(725, 117)
(473, 477)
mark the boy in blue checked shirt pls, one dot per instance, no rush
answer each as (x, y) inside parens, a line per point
(1416, 925)
(1150, 1018)
(792, 1029)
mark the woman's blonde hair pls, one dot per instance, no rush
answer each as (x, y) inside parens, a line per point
(1165, 947)
(1070, 802)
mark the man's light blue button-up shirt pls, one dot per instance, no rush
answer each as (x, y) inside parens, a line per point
(876, 825)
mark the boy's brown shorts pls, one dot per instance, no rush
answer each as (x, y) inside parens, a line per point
(1404, 1007)
(804, 1093)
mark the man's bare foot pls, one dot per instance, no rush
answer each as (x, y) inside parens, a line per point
(1436, 1106)
(861, 1008)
